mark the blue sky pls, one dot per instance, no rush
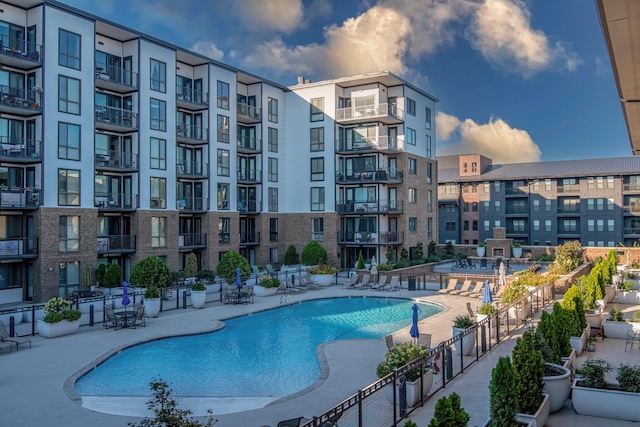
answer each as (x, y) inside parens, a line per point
(517, 80)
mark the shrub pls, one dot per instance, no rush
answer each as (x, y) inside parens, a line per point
(628, 377)
(198, 286)
(432, 248)
(398, 356)
(449, 249)
(112, 276)
(502, 402)
(513, 291)
(151, 292)
(230, 261)
(360, 261)
(418, 252)
(626, 285)
(636, 316)
(572, 304)
(448, 413)
(528, 369)
(486, 309)
(291, 257)
(151, 271)
(191, 268)
(205, 274)
(314, 254)
(463, 321)
(385, 267)
(558, 318)
(516, 244)
(568, 257)
(481, 245)
(323, 269)
(404, 254)
(100, 272)
(57, 309)
(593, 372)
(615, 314)
(269, 282)
(410, 423)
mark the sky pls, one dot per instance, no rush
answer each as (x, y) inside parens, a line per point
(517, 80)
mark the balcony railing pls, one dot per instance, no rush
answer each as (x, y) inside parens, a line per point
(117, 75)
(116, 201)
(249, 111)
(193, 204)
(523, 190)
(249, 238)
(249, 206)
(19, 98)
(633, 208)
(357, 176)
(20, 50)
(19, 247)
(377, 143)
(249, 176)
(631, 186)
(116, 160)
(19, 197)
(369, 112)
(191, 96)
(192, 169)
(246, 143)
(371, 238)
(192, 239)
(223, 135)
(516, 210)
(631, 230)
(569, 188)
(116, 117)
(224, 238)
(569, 209)
(384, 207)
(21, 149)
(192, 132)
(569, 230)
(116, 243)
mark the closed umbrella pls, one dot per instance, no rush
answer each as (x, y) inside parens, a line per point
(238, 281)
(374, 267)
(502, 280)
(415, 333)
(486, 297)
(125, 296)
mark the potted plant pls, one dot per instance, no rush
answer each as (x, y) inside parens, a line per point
(449, 413)
(626, 294)
(400, 355)
(502, 400)
(323, 275)
(191, 267)
(512, 292)
(557, 378)
(360, 265)
(151, 301)
(575, 318)
(484, 311)
(208, 278)
(266, 286)
(198, 294)
(461, 325)
(314, 254)
(528, 370)
(517, 250)
(480, 250)
(60, 319)
(112, 278)
(616, 326)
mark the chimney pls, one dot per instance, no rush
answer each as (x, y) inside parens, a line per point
(300, 80)
(307, 81)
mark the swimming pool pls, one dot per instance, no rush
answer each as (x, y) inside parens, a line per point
(253, 354)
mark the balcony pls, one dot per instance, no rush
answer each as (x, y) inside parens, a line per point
(115, 119)
(631, 231)
(382, 143)
(568, 231)
(192, 241)
(382, 175)
(631, 187)
(116, 79)
(116, 202)
(116, 244)
(367, 113)
(20, 102)
(19, 248)
(382, 238)
(249, 207)
(249, 176)
(569, 189)
(249, 238)
(19, 53)
(249, 145)
(116, 161)
(632, 209)
(19, 198)
(193, 170)
(193, 204)
(224, 238)
(517, 210)
(191, 134)
(17, 150)
(569, 209)
(517, 191)
(191, 99)
(380, 207)
(248, 113)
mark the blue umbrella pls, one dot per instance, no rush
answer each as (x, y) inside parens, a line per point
(238, 282)
(125, 295)
(486, 297)
(415, 333)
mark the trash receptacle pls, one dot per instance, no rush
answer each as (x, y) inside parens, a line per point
(412, 283)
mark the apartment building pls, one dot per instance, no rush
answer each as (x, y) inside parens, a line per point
(115, 146)
(596, 201)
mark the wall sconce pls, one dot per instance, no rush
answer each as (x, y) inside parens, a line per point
(1, 10)
(101, 43)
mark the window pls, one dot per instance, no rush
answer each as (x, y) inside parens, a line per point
(464, 167)
(158, 153)
(317, 169)
(429, 173)
(273, 199)
(611, 223)
(272, 108)
(68, 187)
(411, 107)
(223, 230)
(413, 168)
(427, 117)
(68, 95)
(317, 139)
(609, 204)
(428, 140)
(273, 229)
(496, 223)
(600, 224)
(487, 225)
(465, 225)
(450, 226)
(569, 225)
(223, 95)
(536, 185)
(158, 232)
(223, 196)
(485, 206)
(590, 204)
(486, 187)
(496, 186)
(68, 141)
(600, 204)
(496, 205)
(591, 225)
(223, 128)
(158, 195)
(412, 225)
(68, 49)
(474, 188)
(317, 109)
(590, 183)
(518, 225)
(430, 201)
(273, 255)
(430, 228)
(547, 205)
(536, 225)
(474, 225)
(413, 195)
(411, 136)
(600, 182)
(158, 76)
(68, 276)
(465, 206)
(69, 234)
(158, 114)
(273, 140)
(474, 167)
(547, 184)
(474, 207)
(223, 162)
(547, 225)
(317, 198)
(536, 205)
(273, 169)
(317, 229)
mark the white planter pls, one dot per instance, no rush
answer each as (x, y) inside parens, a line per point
(413, 389)
(481, 251)
(631, 297)
(198, 298)
(213, 288)
(540, 417)
(576, 344)
(264, 292)
(618, 329)
(594, 319)
(609, 294)
(52, 330)
(558, 387)
(152, 307)
(17, 318)
(488, 423)
(519, 310)
(605, 403)
(323, 279)
(517, 252)
(570, 361)
(26, 316)
(468, 342)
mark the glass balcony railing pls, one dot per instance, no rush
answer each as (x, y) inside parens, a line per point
(373, 238)
(383, 206)
(116, 159)
(192, 239)
(249, 111)
(20, 49)
(357, 176)
(192, 169)
(197, 133)
(115, 201)
(191, 96)
(116, 243)
(116, 117)
(118, 75)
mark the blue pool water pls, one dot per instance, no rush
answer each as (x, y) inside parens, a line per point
(271, 353)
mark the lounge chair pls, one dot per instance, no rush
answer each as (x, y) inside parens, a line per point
(5, 337)
(389, 340)
(483, 263)
(474, 291)
(470, 263)
(450, 287)
(256, 270)
(363, 283)
(7, 344)
(271, 271)
(282, 288)
(295, 422)
(305, 279)
(350, 283)
(293, 287)
(139, 319)
(381, 283)
(393, 285)
(425, 340)
(464, 288)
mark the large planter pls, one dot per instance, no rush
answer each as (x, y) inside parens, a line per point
(52, 330)
(570, 360)
(413, 389)
(264, 292)
(520, 310)
(576, 344)
(467, 344)
(631, 297)
(198, 298)
(609, 293)
(152, 307)
(594, 318)
(323, 279)
(605, 402)
(619, 329)
(6, 318)
(540, 417)
(517, 252)
(213, 287)
(481, 251)
(558, 387)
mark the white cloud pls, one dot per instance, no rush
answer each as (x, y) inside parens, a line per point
(278, 15)
(495, 139)
(208, 49)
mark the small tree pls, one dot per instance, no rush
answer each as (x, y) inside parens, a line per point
(572, 304)
(100, 272)
(151, 271)
(404, 254)
(112, 276)
(502, 402)
(448, 413)
(418, 253)
(230, 262)
(560, 326)
(612, 261)
(360, 261)
(291, 257)
(528, 370)
(191, 269)
(568, 257)
(314, 254)
(432, 248)
(449, 250)
(547, 331)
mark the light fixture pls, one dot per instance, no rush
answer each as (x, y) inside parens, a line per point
(101, 43)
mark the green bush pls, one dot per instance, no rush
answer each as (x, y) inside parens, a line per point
(626, 285)
(291, 257)
(448, 413)
(636, 316)
(71, 315)
(463, 321)
(568, 257)
(385, 267)
(615, 314)
(198, 286)
(399, 355)
(230, 261)
(191, 268)
(323, 269)
(528, 369)
(100, 272)
(360, 261)
(113, 276)
(314, 254)
(269, 282)
(487, 309)
(502, 401)
(593, 372)
(151, 271)
(433, 248)
(57, 309)
(404, 254)
(628, 377)
(151, 292)
(560, 325)
(418, 252)
(572, 304)
(205, 274)
(546, 330)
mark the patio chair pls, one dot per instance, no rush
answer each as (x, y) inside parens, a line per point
(464, 288)
(477, 290)
(363, 283)
(382, 281)
(229, 296)
(483, 263)
(472, 314)
(306, 280)
(425, 340)
(6, 344)
(393, 285)
(139, 319)
(5, 337)
(389, 340)
(282, 288)
(350, 283)
(295, 422)
(450, 287)
(271, 271)
(459, 263)
(256, 270)
(470, 263)
(633, 337)
(292, 287)
(110, 318)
